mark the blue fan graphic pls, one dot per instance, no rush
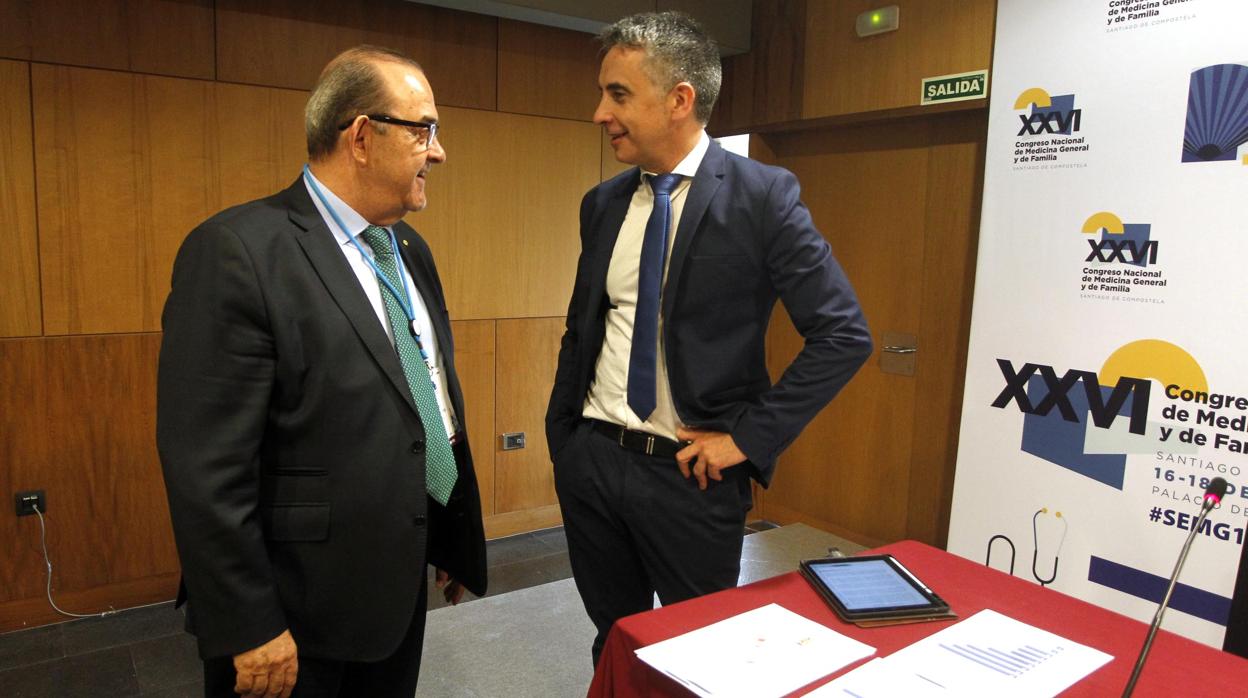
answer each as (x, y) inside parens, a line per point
(1217, 113)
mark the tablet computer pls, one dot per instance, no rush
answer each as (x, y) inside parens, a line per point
(871, 588)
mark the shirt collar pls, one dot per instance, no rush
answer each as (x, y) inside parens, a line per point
(688, 167)
(354, 221)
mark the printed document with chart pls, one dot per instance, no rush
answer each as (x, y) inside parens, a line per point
(765, 653)
(987, 654)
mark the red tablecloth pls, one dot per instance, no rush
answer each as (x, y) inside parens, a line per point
(1176, 666)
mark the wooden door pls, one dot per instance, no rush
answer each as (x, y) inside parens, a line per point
(899, 203)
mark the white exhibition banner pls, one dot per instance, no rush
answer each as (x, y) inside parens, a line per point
(1107, 377)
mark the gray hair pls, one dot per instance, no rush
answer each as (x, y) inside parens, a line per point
(677, 50)
(349, 85)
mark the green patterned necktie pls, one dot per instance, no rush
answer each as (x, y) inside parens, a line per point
(439, 458)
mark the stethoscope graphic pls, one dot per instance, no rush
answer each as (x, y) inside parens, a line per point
(1035, 540)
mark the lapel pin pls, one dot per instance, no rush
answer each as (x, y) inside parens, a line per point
(405, 243)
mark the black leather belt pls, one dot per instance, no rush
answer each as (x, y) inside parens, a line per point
(638, 441)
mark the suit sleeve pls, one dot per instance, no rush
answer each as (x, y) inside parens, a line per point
(824, 309)
(215, 378)
(564, 409)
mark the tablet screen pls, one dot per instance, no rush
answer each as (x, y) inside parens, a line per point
(869, 584)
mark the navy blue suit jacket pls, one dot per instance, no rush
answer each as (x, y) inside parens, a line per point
(744, 240)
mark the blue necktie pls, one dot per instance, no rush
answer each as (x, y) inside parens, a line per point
(641, 360)
(440, 471)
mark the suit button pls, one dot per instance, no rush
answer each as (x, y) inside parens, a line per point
(418, 520)
(418, 446)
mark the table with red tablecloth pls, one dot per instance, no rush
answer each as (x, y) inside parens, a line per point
(1177, 666)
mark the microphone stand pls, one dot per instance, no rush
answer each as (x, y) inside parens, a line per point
(1206, 507)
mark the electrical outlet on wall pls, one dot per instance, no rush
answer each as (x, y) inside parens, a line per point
(28, 500)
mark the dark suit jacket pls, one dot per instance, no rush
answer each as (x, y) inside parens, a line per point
(744, 240)
(292, 451)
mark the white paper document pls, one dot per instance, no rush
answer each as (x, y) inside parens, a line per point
(987, 654)
(763, 653)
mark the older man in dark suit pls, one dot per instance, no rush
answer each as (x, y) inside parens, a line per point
(309, 415)
(662, 409)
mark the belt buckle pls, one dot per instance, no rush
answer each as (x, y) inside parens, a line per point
(649, 445)
(620, 439)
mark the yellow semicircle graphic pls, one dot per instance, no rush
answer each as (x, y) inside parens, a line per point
(1154, 358)
(1105, 220)
(1033, 95)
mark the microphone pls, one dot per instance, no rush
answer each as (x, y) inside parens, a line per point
(1213, 496)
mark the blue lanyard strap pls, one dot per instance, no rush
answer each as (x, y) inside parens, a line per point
(404, 300)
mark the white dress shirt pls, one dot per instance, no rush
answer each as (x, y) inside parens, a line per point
(373, 288)
(608, 394)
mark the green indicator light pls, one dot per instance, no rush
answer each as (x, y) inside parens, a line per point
(875, 18)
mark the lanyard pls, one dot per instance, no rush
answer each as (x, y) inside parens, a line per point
(403, 300)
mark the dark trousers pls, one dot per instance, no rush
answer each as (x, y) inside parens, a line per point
(636, 527)
(392, 677)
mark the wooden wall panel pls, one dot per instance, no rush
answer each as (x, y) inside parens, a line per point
(286, 43)
(528, 351)
(779, 69)
(734, 110)
(853, 459)
(80, 426)
(127, 165)
(164, 37)
(123, 165)
(19, 265)
(15, 36)
(955, 187)
(726, 20)
(503, 211)
(764, 86)
(261, 141)
(475, 361)
(547, 71)
(845, 74)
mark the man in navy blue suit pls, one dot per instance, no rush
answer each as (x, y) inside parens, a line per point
(662, 409)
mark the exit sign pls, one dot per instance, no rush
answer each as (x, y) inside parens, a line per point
(955, 88)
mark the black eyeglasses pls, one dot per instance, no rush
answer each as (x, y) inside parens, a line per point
(424, 131)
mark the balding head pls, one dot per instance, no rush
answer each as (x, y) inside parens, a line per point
(349, 85)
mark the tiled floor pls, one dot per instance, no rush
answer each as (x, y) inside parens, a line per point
(144, 652)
